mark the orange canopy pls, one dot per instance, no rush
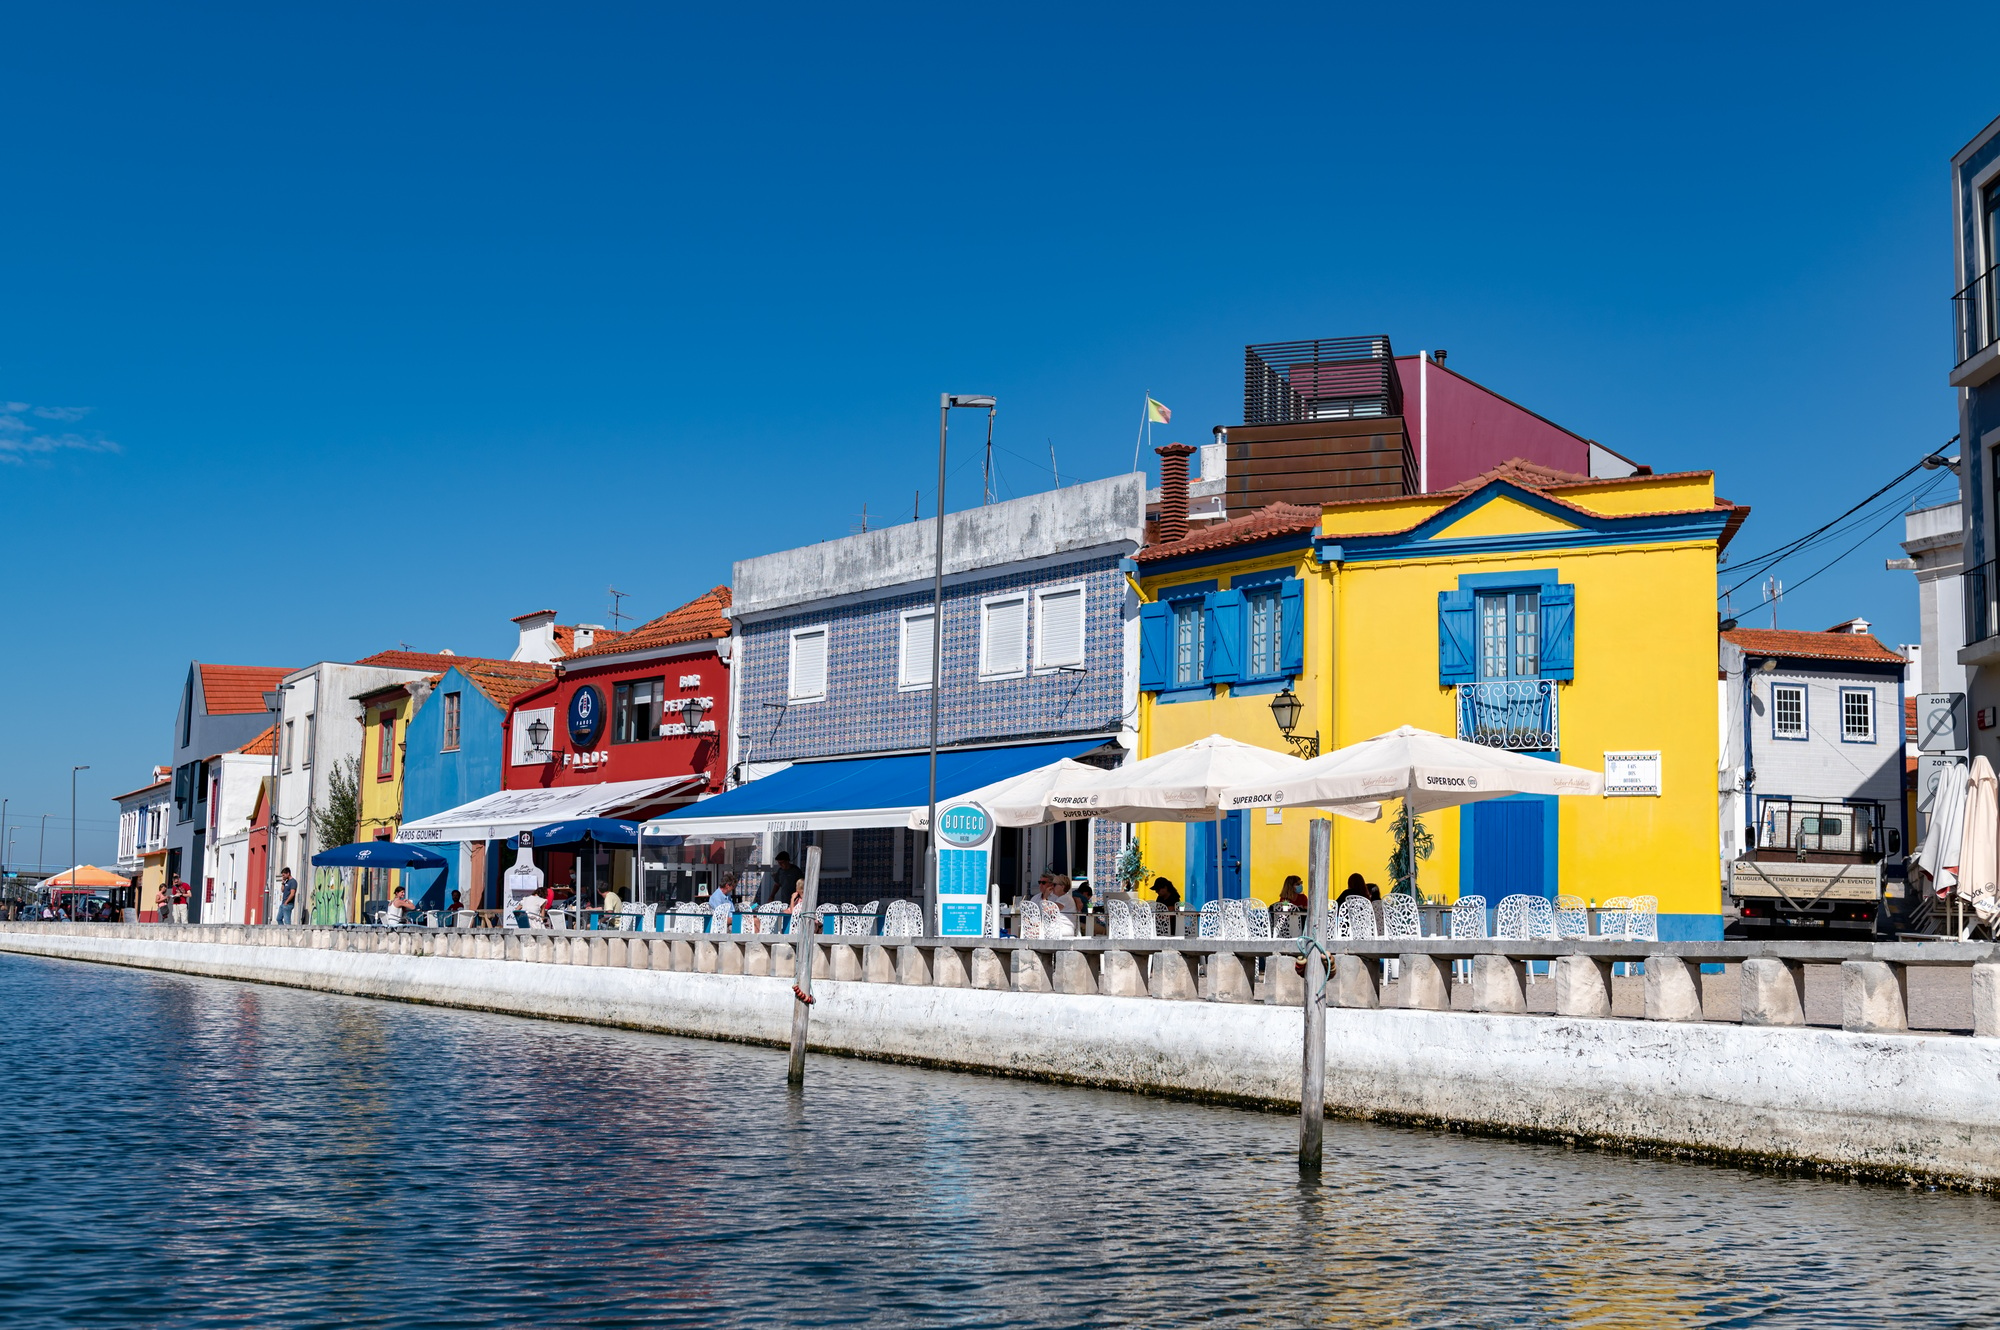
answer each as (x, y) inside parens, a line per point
(86, 876)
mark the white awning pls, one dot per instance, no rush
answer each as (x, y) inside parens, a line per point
(498, 816)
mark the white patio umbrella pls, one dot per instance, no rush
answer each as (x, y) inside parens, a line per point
(1939, 856)
(1018, 801)
(1979, 844)
(1183, 784)
(1426, 771)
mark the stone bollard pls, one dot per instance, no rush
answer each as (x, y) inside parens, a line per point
(877, 965)
(783, 958)
(662, 950)
(510, 947)
(638, 956)
(600, 950)
(1073, 973)
(1225, 978)
(757, 958)
(1284, 984)
(1168, 976)
(729, 958)
(948, 969)
(822, 961)
(1583, 986)
(681, 955)
(1497, 984)
(989, 971)
(1773, 991)
(1670, 989)
(704, 957)
(1030, 968)
(846, 963)
(1874, 997)
(1986, 999)
(614, 953)
(1421, 986)
(912, 966)
(1354, 982)
(1120, 975)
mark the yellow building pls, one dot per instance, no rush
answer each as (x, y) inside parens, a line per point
(1528, 609)
(385, 713)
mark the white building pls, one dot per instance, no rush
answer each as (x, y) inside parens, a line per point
(1934, 541)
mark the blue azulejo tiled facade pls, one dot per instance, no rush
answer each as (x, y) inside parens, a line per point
(867, 708)
(831, 661)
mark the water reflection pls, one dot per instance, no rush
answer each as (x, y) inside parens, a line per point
(197, 1153)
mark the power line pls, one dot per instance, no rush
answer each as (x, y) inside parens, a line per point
(1765, 562)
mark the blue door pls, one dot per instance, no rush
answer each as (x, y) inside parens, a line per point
(1199, 869)
(1508, 847)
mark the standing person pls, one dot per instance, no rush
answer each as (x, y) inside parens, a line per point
(288, 895)
(781, 882)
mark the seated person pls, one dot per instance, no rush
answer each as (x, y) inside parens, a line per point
(1164, 893)
(1293, 893)
(400, 906)
(1357, 886)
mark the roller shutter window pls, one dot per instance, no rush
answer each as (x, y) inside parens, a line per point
(806, 681)
(1003, 639)
(919, 627)
(1059, 628)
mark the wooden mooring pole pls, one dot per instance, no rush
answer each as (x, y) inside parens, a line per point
(1312, 1076)
(805, 924)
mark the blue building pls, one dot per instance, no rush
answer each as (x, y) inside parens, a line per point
(454, 751)
(1975, 233)
(831, 685)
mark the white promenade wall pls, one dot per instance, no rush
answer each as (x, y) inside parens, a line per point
(1893, 1105)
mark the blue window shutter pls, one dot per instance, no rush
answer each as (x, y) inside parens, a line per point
(1223, 636)
(1559, 631)
(1292, 627)
(1155, 647)
(1457, 637)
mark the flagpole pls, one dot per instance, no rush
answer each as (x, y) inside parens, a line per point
(1145, 412)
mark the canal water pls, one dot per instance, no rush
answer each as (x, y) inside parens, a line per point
(188, 1152)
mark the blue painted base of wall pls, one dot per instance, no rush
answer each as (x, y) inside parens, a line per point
(1690, 928)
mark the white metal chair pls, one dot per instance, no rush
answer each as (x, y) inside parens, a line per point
(1400, 916)
(1643, 920)
(1614, 917)
(1210, 924)
(1259, 917)
(1233, 920)
(558, 920)
(1468, 920)
(1286, 920)
(1571, 917)
(462, 918)
(903, 919)
(1118, 922)
(1358, 914)
(647, 914)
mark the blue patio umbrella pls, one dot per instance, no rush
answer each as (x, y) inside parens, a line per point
(585, 831)
(391, 854)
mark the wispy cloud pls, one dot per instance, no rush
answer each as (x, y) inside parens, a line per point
(24, 435)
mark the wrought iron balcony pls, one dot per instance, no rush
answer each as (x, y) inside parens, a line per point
(1982, 615)
(1515, 714)
(1977, 314)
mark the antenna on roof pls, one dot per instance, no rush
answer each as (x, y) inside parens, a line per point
(617, 599)
(1774, 591)
(863, 528)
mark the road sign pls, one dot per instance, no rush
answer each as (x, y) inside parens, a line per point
(1941, 722)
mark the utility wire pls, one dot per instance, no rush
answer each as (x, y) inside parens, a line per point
(1868, 536)
(1763, 563)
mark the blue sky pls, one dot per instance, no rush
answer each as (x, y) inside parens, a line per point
(328, 328)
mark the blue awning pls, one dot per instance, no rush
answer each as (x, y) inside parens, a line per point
(379, 854)
(856, 792)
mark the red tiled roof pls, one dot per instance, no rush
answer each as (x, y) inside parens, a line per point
(165, 781)
(264, 745)
(1909, 717)
(1811, 646)
(699, 619)
(501, 680)
(565, 635)
(1274, 519)
(237, 690)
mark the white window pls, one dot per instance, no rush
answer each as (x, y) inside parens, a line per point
(1857, 715)
(913, 669)
(1788, 711)
(533, 740)
(806, 681)
(288, 743)
(1059, 628)
(307, 759)
(1003, 637)
(836, 853)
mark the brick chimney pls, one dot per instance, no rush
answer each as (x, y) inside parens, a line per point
(1173, 491)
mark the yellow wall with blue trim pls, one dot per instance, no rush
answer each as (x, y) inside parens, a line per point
(1645, 660)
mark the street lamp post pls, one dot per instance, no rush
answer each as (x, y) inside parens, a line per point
(946, 401)
(72, 822)
(41, 845)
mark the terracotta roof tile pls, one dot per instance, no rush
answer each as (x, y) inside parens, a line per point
(501, 680)
(1275, 519)
(237, 690)
(699, 619)
(264, 745)
(1811, 646)
(565, 635)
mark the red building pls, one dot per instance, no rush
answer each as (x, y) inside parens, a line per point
(619, 711)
